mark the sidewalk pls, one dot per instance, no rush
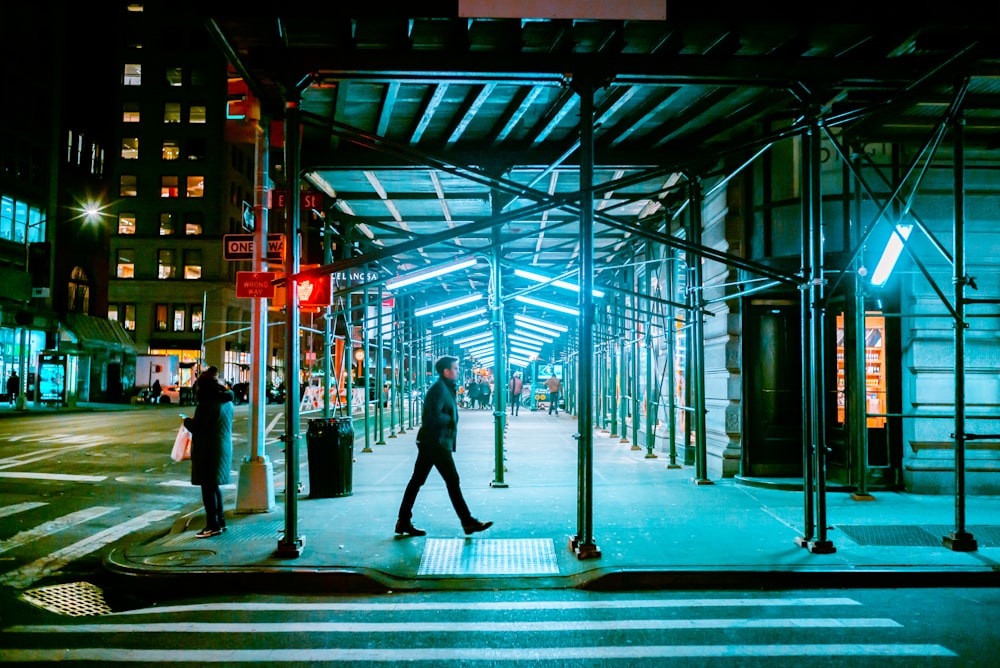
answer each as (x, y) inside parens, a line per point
(654, 527)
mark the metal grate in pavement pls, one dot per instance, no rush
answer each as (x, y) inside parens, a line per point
(76, 599)
(235, 532)
(905, 535)
(986, 535)
(488, 556)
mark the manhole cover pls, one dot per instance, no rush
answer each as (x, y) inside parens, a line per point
(499, 556)
(76, 599)
(177, 558)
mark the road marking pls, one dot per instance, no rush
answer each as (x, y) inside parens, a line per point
(26, 575)
(67, 477)
(496, 605)
(466, 627)
(37, 456)
(21, 507)
(58, 524)
(337, 656)
(188, 483)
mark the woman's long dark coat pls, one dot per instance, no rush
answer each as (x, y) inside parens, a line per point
(211, 436)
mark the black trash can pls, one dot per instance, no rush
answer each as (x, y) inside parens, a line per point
(330, 448)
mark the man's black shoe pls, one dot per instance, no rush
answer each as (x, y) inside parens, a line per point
(408, 528)
(474, 525)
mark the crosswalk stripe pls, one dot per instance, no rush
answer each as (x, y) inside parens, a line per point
(26, 575)
(495, 605)
(56, 525)
(67, 477)
(465, 627)
(21, 507)
(337, 656)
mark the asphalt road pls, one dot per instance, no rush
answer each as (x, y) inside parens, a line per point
(915, 627)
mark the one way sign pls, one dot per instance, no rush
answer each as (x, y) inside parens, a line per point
(240, 247)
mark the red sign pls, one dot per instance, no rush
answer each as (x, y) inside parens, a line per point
(308, 199)
(390, 302)
(255, 284)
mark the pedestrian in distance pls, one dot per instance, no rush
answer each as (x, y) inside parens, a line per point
(555, 386)
(436, 441)
(211, 447)
(516, 387)
(13, 387)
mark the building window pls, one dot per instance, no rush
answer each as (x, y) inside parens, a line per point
(69, 147)
(196, 114)
(171, 149)
(166, 224)
(130, 148)
(161, 317)
(172, 112)
(78, 291)
(7, 218)
(193, 223)
(198, 76)
(113, 312)
(192, 264)
(129, 186)
(180, 318)
(126, 223)
(134, 7)
(194, 149)
(196, 318)
(132, 75)
(125, 263)
(165, 262)
(79, 147)
(130, 112)
(196, 186)
(168, 186)
(129, 317)
(175, 76)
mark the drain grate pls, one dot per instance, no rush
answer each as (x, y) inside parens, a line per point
(234, 532)
(76, 599)
(911, 535)
(488, 556)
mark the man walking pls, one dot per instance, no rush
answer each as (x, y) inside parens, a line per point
(516, 386)
(13, 387)
(554, 385)
(435, 443)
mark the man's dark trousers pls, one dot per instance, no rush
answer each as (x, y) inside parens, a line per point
(554, 402)
(428, 458)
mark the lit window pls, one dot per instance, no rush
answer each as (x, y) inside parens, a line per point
(130, 148)
(126, 223)
(7, 218)
(192, 264)
(196, 114)
(166, 224)
(130, 112)
(69, 147)
(171, 149)
(193, 223)
(195, 318)
(172, 112)
(130, 317)
(175, 76)
(196, 186)
(126, 263)
(161, 317)
(168, 186)
(133, 7)
(165, 262)
(129, 186)
(113, 312)
(79, 148)
(94, 152)
(180, 318)
(78, 291)
(132, 75)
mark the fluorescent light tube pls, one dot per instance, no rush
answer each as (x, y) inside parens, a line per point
(565, 285)
(424, 274)
(466, 327)
(434, 308)
(540, 323)
(461, 316)
(891, 253)
(531, 335)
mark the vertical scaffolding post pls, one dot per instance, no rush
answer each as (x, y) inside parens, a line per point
(670, 371)
(634, 405)
(809, 515)
(855, 389)
(651, 394)
(822, 545)
(380, 367)
(583, 542)
(291, 544)
(499, 359)
(366, 346)
(960, 540)
(697, 351)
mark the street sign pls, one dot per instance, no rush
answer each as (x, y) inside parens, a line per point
(308, 199)
(255, 284)
(241, 247)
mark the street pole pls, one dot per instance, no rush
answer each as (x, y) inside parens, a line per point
(255, 491)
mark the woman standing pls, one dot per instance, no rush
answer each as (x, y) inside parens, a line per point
(211, 447)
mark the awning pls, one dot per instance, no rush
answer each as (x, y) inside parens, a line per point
(90, 333)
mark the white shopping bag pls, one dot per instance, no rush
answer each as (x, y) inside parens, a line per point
(182, 445)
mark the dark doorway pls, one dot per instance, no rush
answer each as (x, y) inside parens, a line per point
(772, 363)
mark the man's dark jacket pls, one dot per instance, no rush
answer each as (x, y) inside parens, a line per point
(439, 425)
